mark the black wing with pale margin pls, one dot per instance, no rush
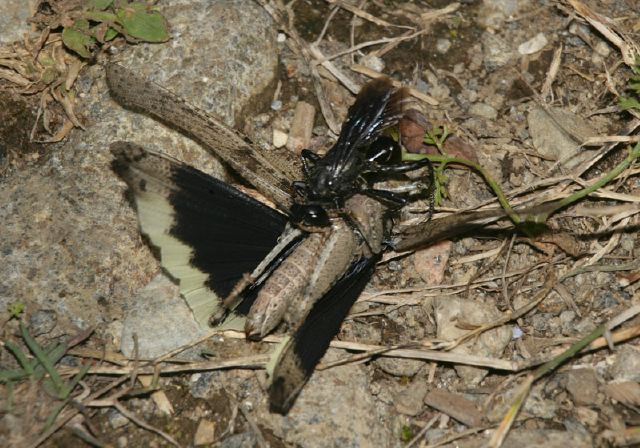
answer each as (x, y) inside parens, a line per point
(297, 359)
(208, 233)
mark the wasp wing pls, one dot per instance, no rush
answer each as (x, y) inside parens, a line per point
(378, 106)
(271, 172)
(295, 360)
(208, 234)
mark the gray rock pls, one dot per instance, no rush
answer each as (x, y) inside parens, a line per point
(244, 440)
(584, 326)
(558, 133)
(76, 248)
(335, 409)
(410, 400)
(582, 384)
(626, 366)
(202, 384)
(545, 438)
(497, 52)
(399, 367)
(116, 419)
(13, 20)
(160, 318)
(42, 322)
(449, 311)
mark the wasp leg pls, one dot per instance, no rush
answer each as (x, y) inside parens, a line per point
(309, 159)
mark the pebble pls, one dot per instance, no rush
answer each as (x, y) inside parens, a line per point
(202, 385)
(604, 300)
(566, 319)
(276, 105)
(373, 62)
(244, 440)
(586, 415)
(443, 45)
(280, 138)
(483, 110)
(410, 400)
(517, 332)
(497, 52)
(116, 419)
(430, 263)
(399, 367)
(205, 434)
(450, 311)
(533, 45)
(584, 326)
(626, 366)
(582, 385)
(602, 48)
(548, 129)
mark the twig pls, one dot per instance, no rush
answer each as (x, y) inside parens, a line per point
(124, 411)
(365, 15)
(262, 443)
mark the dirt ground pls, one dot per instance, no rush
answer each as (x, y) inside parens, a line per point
(530, 92)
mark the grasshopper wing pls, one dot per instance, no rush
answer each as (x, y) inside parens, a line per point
(297, 357)
(208, 234)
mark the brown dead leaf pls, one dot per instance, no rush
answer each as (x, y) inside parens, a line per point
(60, 134)
(454, 405)
(565, 241)
(457, 147)
(413, 127)
(628, 278)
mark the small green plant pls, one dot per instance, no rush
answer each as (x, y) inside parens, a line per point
(406, 434)
(437, 136)
(632, 102)
(100, 21)
(40, 367)
(15, 309)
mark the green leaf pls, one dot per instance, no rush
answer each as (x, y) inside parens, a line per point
(20, 356)
(7, 376)
(42, 357)
(54, 414)
(77, 41)
(629, 103)
(54, 353)
(100, 16)
(110, 34)
(100, 4)
(81, 25)
(149, 26)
